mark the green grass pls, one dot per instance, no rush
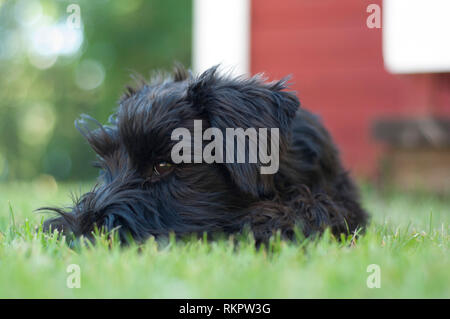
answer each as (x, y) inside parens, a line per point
(408, 238)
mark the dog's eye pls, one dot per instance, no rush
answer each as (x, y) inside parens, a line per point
(162, 168)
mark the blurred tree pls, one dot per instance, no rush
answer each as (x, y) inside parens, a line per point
(50, 74)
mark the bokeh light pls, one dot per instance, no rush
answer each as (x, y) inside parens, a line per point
(89, 74)
(28, 12)
(57, 39)
(37, 124)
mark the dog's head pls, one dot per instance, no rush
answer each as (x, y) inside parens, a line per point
(143, 192)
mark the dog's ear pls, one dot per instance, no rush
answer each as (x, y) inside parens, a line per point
(246, 103)
(103, 139)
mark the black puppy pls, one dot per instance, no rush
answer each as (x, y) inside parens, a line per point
(142, 192)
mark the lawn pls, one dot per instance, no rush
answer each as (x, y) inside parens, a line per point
(408, 239)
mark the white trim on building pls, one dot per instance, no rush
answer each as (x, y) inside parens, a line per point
(416, 35)
(221, 35)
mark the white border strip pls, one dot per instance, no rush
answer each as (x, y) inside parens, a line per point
(416, 36)
(221, 35)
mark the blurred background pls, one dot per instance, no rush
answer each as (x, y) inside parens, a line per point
(52, 71)
(377, 72)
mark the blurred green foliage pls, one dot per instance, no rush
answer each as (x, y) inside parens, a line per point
(42, 94)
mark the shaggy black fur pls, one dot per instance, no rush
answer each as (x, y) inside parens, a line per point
(311, 190)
